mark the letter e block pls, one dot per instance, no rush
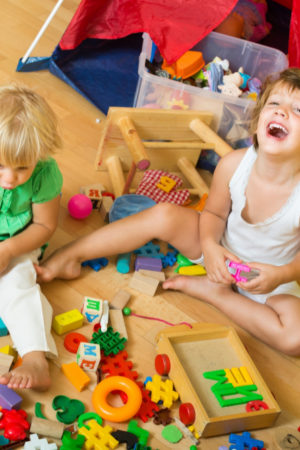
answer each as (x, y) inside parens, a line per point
(88, 356)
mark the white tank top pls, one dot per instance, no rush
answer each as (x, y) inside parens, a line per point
(274, 241)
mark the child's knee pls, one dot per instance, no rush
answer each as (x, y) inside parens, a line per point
(166, 215)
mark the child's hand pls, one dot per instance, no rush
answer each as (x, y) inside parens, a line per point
(268, 279)
(215, 264)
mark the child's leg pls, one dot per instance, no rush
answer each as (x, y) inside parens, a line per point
(174, 224)
(27, 315)
(276, 322)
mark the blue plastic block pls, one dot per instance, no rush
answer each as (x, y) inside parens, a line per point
(96, 264)
(244, 441)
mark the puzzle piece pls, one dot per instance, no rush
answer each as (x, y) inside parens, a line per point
(109, 341)
(244, 441)
(148, 407)
(118, 365)
(149, 249)
(72, 444)
(162, 390)
(167, 184)
(98, 437)
(38, 444)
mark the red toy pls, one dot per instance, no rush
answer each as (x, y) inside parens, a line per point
(14, 424)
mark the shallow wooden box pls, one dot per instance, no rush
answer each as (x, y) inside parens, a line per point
(210, 347)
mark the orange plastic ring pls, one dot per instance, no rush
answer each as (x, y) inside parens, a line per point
(117, 414)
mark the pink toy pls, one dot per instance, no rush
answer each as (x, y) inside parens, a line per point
(80, 206)
(239, 267)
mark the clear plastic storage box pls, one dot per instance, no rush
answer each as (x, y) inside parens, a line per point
(231, 114)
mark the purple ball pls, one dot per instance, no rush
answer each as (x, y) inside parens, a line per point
(80, 206)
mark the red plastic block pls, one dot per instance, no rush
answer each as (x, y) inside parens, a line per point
(118, 365)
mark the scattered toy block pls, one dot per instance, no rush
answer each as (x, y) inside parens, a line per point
(97, 436)
(120, 299)
(123, 262)
(8, 350)
(146, 285)
(93, 192)
(153, 274)
(141, 433)
(9, 399)
(192, 270)
(45, 427)
(92, 309)
(105, 207)
(75, 375)
(6, 362)
(166, 184)
(244, 441)
(68, 321)
(148, 263)
(109, 341)
(96, 263)
(162, 390)
(88, 356)
(36, 443)
(116, 319)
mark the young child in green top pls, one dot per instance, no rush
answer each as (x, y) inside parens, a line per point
(30, 186)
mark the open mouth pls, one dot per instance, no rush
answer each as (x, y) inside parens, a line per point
(276, 130)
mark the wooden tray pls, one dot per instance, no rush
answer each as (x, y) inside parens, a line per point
(206, 348)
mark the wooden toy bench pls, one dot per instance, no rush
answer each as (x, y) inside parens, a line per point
(140, 138)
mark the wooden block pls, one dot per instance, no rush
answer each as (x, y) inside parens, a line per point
(6, 362)
(46, 427)
(88, 356)
(153, 274)
(92, 309)
(105, 207)
(75, 375)
(120, 299)
(8, 350)
(146, 285)
(93, 191)
(116, 319)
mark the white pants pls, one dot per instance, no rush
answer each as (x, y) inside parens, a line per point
(24, 309)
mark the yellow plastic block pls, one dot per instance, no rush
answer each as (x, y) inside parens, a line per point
(98, 437)
(238, 376)
(76, 375)
(166, 184)
(68, 321)
(8, 350)
(192, 270)
(162, 390)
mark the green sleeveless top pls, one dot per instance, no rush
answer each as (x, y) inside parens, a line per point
(44, 185)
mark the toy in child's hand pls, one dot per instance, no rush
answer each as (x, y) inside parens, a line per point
(80, 206)
(241, 272)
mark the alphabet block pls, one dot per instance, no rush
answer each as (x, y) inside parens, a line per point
(88, 356)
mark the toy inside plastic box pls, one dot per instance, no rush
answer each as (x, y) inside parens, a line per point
(231, 114)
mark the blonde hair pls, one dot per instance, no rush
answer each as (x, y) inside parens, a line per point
(28, 127)
(289, 78)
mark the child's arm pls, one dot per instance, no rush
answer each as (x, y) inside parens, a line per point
(214, 218)
(44, 223)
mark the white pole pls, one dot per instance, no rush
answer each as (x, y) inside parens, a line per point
(42, 30)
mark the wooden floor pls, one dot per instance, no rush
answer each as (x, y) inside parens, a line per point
(19, 22)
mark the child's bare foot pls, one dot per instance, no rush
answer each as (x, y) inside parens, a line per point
(33, 373)
(59, 265)
(198, 287)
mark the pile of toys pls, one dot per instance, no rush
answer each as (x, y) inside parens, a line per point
(215, 75)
